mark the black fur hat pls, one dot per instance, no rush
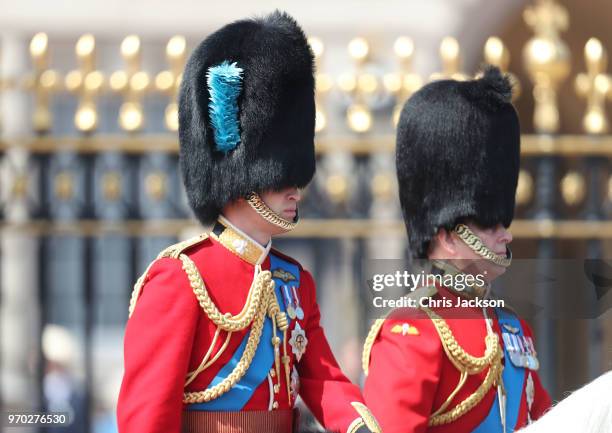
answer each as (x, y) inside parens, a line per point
(457, 156)
(247, 113)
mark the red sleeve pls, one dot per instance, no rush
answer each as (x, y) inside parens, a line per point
(324, 388)
(157, 348)
(541, 401)
(403, 376)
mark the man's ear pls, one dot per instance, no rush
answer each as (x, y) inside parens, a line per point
(445, 240)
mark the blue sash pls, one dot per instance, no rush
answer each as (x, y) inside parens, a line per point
(513, 378)
(239, 395)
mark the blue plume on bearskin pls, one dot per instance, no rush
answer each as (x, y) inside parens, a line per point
(224, 86)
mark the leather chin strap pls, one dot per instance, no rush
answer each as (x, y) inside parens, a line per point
(259, 206)
(476, 245)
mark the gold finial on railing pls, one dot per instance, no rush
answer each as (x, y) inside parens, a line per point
(450, 54)
(404, 82)
(359, 85)
(595, 85)
(547, 60)
(132, 83)
(524, 188)
(43, 82)
(573, 188)
(87, 83)
(324, 83)
(169, 81)
(337, 188)
(497, 54)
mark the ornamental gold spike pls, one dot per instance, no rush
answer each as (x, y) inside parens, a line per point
(359, 85)
(595, 86)
(403, 83)
(169, 81)
(324, 83)
(131, 83)
(43, 82)
(524, 188)
(547, 60)
(497, 54)
(450, 54)
(86, 82)
(573, 188)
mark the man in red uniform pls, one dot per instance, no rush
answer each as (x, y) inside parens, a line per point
(224, 331)
(454, 364)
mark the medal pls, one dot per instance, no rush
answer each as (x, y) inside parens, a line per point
(288, 302)
(512, 348)
(298, 311)
(298, 341)
(521, 357)
(528, 356)
(534, 354)
(534, 364)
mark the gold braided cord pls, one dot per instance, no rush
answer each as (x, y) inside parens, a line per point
(261, 301)
(239, 370)
(462, 380)
(226, 321)
(467, 365)
(492, 378)
(172, 251)
(422, 292)
(137, 289)
(219, 353)
(369, 342)
(265, 305)
(259, 206)
(462, 359)
(192, 374)
(474, 242)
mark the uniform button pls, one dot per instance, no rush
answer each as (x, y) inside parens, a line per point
(276, 388)
(275, 405)
(272, 373)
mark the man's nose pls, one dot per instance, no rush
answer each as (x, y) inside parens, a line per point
(294, 195)
(504, 236)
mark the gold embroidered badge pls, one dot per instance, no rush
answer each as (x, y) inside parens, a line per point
(283, 275)
(405, 329)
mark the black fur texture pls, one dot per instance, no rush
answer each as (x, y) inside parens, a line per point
(276, 114)
(457, 156)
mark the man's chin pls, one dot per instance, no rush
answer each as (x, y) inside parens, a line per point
(493, 271)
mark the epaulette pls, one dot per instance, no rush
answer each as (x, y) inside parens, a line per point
(173, 251)
(422, 292)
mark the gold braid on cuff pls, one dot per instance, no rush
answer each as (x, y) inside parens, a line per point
(474, 242)
(268, 214)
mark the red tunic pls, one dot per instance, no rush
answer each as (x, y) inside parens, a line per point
(168, 334)
(410, 376)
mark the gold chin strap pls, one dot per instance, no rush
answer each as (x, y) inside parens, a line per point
(474, 242)
(268, 214)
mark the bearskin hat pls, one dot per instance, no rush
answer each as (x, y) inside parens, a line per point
(247, 113)
(457, 156)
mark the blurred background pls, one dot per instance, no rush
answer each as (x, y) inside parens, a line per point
(89, 189)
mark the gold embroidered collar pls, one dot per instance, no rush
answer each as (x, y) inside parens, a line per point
(238, 242)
